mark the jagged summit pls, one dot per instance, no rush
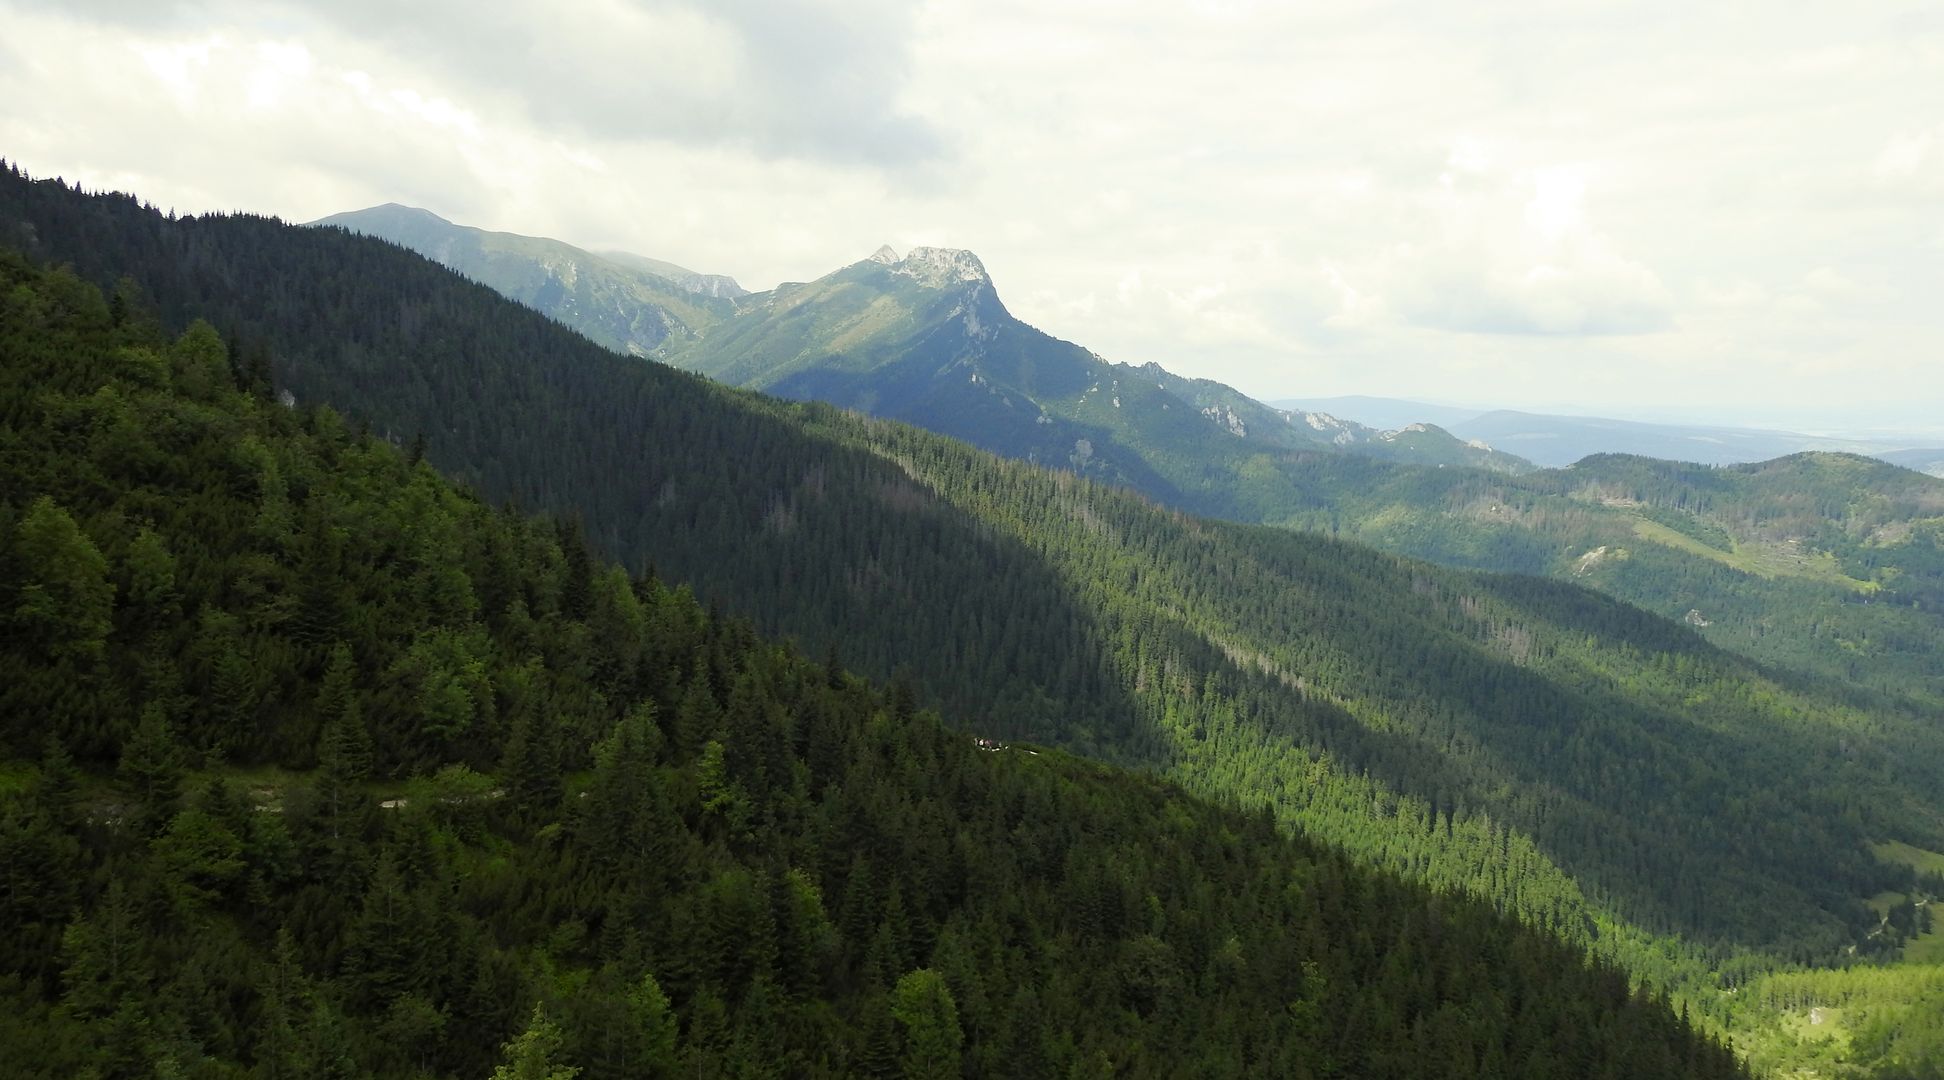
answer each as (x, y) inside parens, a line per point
(933, 267)
(939, 267)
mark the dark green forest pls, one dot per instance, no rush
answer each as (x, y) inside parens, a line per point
(318, 765)
(1823, 562)
(1594, 770)
(1579, 762)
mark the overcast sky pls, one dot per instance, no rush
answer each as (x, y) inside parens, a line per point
(1624, 207)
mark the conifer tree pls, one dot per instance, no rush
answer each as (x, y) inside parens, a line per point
(534, 1053)
(651, 1015)
(923, 1005)
(151, 769)
(64, 603)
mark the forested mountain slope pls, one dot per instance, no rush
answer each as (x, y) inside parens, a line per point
(636, 840)
(924, 338)
(1579, 762)
(1847, 589)
(630, 304)
(1854, 547)
(1818, 562)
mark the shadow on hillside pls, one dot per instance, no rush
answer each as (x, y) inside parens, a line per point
(803, 534)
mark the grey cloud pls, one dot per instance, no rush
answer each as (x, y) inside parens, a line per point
(814, 80)
(1381, 157)
(139, 14)
(832, 71)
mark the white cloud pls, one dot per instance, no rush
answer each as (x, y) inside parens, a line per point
(1832, 284)
(1903, 156)
(1516, 253)
(1618, 201)
(1909, 168)
(811, 78)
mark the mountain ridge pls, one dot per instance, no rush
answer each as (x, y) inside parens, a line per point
(1554, 440)
(827, 339)
(950, 358)
(943, 349)
(718, 286)
(628, 303)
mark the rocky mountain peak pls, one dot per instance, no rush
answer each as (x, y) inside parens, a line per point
(939, 267)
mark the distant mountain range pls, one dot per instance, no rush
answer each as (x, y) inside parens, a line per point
(1923, 460)
(1554, 440)
(922, 337)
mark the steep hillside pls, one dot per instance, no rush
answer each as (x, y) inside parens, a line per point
(922, 338)
(926, 339)
(1592, 768)
(1827, 563)
(635, 841)
(721, 286)
(628, 303)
